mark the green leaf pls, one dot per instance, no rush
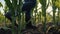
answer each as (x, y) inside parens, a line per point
(9, 4)
(1, 5)
(14, 3)
(43, 2)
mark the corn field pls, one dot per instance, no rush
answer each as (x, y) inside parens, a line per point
(43, 20)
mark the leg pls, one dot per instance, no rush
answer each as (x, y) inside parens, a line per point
(8, 15)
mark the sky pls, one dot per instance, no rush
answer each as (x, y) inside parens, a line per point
(1, 8)
(49, 10)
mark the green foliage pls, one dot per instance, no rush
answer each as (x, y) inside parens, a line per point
(8, 3)
(3, 20)
(43, 2)
(6, 8)
(53, 3)
(57, 3)
(14, 3)
(13, 6)
(1, 4)
(54, 10)
(39, 17)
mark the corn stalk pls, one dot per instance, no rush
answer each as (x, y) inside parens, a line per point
(14, 7)
(58, 15)
(9, 4)
(19, 16)
(54, 10)
(43, 2)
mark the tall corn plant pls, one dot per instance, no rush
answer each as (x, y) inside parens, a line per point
(58, 5)
(9, 4)
(35, 12)
(5, 10)
(54, 10)
(58, 15)
(43, 3)
(32, 12)
(13, 6)
(19, 9)
(5, 18)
